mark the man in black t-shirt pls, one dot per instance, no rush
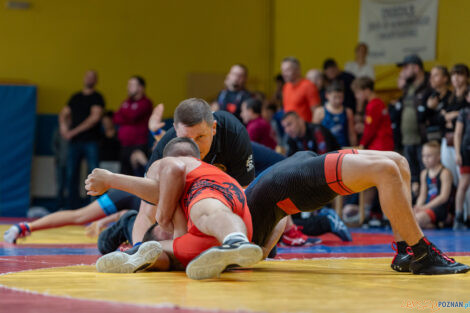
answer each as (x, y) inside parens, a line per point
(231, 98)
(304, 136)
(79, 123)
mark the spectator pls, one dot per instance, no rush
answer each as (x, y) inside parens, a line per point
(132, 119)
(413, 133)
(377, 133)
(394, 110)
(109, 144)
(316, 77)
(434, 200)
(337, 118)
(436, 102)
(359, 67)
(299, 94)
(258, 129)
(462, 155)
(60, 149)
(459, 77)
(333, 73)
(231, 98)
(79, 123)
(307, 136)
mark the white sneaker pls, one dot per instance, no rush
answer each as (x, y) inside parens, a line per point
(212, 262)
(120, 262)
(16, 231)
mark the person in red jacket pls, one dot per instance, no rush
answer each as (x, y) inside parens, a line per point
(377, 133)
(132, 119)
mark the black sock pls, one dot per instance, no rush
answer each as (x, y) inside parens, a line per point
(401, 247)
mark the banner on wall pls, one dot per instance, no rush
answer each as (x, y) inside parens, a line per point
(395, 28)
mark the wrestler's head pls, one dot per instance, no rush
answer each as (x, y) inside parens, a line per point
(181, 146)
(193, 119)
(156, 233)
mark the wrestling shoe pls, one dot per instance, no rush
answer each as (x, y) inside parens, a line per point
(459, 223)
(16, 231)
(212, 262)
(337, 226)
(294, 236)
(401, 261)
(120, 262)
(429, 260)
(112, 237)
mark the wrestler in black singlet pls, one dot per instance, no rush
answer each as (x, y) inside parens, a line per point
(296, 184)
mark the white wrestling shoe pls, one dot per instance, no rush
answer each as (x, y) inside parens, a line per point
(212, 262)
(16, 231)
(120, 262)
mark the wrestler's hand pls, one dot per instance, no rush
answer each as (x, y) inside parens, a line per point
(155, 121)
(97, 182)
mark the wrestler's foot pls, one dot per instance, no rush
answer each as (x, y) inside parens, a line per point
(16, 231)
(401, 261)
(212, 262)
(294, 236)
(120, 262)
(337, 226)
(429, 260)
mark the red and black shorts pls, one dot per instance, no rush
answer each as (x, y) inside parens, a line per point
(193, 243)
(333, 173)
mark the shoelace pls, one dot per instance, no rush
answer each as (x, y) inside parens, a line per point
(395, 248)
(439, 252)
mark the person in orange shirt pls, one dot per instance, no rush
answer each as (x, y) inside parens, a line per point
(299, 94)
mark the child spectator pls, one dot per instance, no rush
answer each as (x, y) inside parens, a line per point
(462, 155)
(258, 129)
(434, 200)
(377, 134)
(334, 116)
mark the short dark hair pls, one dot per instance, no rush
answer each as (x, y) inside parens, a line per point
(335, 86)
(181, 146)
(254, 104)
(460, 69)
(140, 80)
(293, 60)
(362, 83)
(362, 44)
(290, 113)
(149, 235)
(193, 111)
(329, 63)
(444, 71)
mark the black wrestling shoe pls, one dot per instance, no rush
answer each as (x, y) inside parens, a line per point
(429, 260)
(401, 261)
(112, 237)
(212, 262)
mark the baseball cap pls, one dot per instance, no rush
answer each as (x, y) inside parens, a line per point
(411, 59)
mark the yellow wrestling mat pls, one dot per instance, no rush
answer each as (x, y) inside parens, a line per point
(318, 285)
(61, 235)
